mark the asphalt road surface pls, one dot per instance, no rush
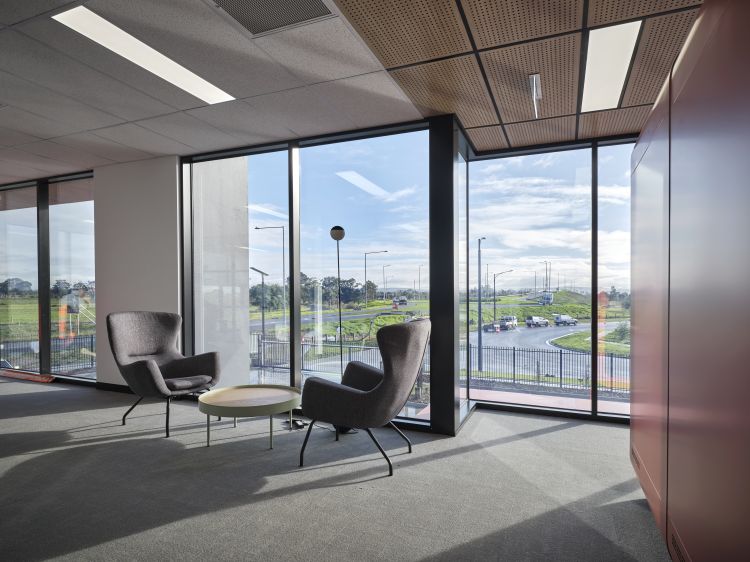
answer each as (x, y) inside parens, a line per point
(532, 337)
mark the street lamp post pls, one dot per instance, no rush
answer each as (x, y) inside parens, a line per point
(494, 294)
(283, 265)
(385, 287)
(367, 254)
(479, 303)
(263, 275)
(546, 275)
(337, 233)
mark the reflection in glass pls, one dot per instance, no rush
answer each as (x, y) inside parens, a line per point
(377, 190)
(533, 216)
(72, 278)
(19, 296)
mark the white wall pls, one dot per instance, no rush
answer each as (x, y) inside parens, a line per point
(136, 208)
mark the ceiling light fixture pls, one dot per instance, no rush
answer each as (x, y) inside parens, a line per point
(608, 58)
(535, 80)
(108, 35)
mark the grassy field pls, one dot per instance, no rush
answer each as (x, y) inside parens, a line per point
(19, 319)
(581, 341)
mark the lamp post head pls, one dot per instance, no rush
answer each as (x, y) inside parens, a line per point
(337, 233)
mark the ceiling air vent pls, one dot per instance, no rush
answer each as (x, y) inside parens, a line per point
(265, 16)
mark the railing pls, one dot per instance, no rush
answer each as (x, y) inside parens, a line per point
(557, 371)
(68, 355)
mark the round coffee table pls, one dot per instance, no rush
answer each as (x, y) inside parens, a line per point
(247, 401)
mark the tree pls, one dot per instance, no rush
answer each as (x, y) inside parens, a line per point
(60, 288)
(372, 289)
(15, 287)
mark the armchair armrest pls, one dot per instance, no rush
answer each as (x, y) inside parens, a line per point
(203, 364)
(144, 378)
(361, 376)
(332, 402)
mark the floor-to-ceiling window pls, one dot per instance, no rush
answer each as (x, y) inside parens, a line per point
(529, 329)
(613, 293)
(19, 288)
(72, 278)
(376, 189)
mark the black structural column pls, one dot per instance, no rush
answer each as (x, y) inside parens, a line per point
(295, 332)
(444, 353)
(43, 295)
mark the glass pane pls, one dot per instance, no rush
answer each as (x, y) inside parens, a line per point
(463, 264)
(19, 304)
(240, 220)
(377, 190)
(530, 280)
(268, 204)
(72, 278)
(613, 341)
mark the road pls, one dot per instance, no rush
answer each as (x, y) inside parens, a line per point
(532, 337)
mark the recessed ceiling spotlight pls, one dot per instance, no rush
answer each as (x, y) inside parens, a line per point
(108, 35)
(608, 58)
(535, 81)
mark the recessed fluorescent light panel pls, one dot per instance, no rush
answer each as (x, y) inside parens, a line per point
(96, 28)
(535, 81)
(607, 61)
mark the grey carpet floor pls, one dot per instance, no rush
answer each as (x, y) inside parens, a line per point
(76, 485)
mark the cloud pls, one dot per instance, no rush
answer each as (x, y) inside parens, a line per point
(546, 160)
(357, 180)
(267, 211)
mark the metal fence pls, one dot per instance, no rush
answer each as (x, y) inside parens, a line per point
(68, 355)
(522, 369)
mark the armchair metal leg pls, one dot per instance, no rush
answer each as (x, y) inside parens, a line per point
(404, 437)
(337, 433)
(304, 443)
(131, 409)
(169, 401)
(382, 452)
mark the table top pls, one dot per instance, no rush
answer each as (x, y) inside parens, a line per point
(249, 400)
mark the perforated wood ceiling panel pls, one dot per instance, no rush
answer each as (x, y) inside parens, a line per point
(449, 86)
(557, 60)
(603, 12)
(559, 129)
(407, 31)
(262, 16)
(496, 22)
(612, 122)
(487, 138)
(660, 44)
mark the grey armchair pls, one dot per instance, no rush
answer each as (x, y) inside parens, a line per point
(144, 345)
(368, 397)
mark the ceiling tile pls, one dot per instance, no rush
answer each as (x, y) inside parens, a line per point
(76, 46)
(62, 153)
(46, 165)
(24, 57)
(661, 41)
(5, 178)
(603, 12)
(449, 86)
(542, 131)
(494, 23)
(240, 120)
(487, 138)
(14, 11)
(41, 101)
(25, 122)
(302, 111)
(556, 60)
(203, 40)
(407, 31)
(321, 51)
(139, 138)
(190, 131)
(613, 122)
(9, 137)
(369, 100)
(105, 148)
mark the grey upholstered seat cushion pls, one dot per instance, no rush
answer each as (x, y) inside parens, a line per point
(186, 383)
(368, 397)
(144, 345)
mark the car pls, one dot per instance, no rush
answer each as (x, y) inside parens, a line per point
(565, 320)
(491, 328)
(403, 301)
(536, 322)
(508, 322)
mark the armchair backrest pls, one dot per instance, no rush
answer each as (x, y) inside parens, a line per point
(402, 347)
(135, 336)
